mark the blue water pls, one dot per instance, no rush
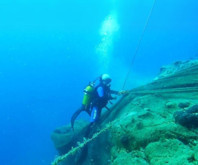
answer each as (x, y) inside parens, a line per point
(49, 50)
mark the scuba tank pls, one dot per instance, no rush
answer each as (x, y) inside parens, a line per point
(88, 94)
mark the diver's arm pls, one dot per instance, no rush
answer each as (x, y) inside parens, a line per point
(119, 92)
(114, 92)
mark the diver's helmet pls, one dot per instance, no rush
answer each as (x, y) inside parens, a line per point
(105, 79)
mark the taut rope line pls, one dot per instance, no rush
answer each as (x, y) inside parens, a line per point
(139, 43)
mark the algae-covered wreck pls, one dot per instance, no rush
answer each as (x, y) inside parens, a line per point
(140, 129)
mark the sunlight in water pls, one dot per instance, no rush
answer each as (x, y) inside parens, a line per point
(107, 32)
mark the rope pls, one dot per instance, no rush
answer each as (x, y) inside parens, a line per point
(80, 146)
(139, 43)
(86, 141)
(173, 90)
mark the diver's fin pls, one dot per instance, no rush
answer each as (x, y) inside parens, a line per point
(74, 116)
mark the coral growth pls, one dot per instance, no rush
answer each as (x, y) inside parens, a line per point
(140, 129)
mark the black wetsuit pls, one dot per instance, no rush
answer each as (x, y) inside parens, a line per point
(99, 101)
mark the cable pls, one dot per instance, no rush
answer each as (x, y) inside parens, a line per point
(139, 43)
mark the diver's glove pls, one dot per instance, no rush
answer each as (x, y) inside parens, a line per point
(123, 92)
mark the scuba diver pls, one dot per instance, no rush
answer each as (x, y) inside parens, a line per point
(96, 98)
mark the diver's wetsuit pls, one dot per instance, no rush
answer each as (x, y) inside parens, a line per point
(101, 98)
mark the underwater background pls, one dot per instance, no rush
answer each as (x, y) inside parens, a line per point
(50, 50)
